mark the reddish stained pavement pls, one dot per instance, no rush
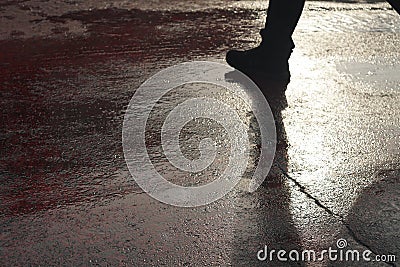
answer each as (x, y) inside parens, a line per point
(65, 197)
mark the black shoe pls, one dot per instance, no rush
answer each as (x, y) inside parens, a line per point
(263, 62)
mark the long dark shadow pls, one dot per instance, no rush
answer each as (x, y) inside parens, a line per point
(264, 217)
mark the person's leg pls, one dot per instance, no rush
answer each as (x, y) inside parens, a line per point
(270, 58)
(282, 18)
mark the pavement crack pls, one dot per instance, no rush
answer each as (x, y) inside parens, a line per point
(304, 191)
(341, 219)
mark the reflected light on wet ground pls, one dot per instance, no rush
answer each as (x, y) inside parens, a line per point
(66, 196)
(340, 125)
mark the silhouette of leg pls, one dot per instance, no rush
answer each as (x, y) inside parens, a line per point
(270, 59)
(282, 18)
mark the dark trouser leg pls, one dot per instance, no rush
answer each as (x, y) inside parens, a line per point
(282, 18)
(270, 58)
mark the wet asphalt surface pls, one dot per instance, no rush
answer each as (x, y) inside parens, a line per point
(68, 70)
